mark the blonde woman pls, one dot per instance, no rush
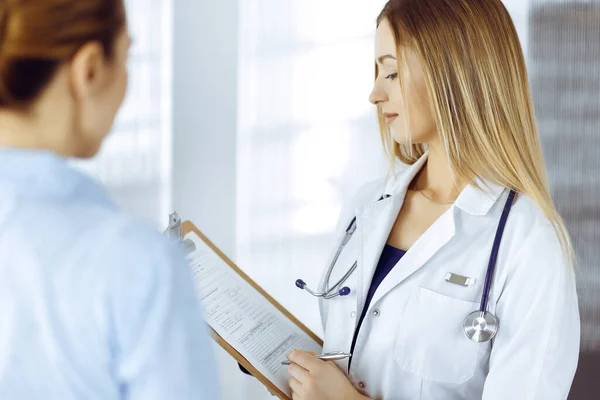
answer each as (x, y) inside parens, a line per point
(464, 285)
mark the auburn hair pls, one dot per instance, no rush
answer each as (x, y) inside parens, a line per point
(38, 36)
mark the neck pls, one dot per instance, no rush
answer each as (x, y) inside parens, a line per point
(436, 178)
(22, 130)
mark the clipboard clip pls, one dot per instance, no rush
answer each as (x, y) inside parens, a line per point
(173, 232)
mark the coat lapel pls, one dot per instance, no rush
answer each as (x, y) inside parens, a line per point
(374, 224)
(475, 199)
(438, 234)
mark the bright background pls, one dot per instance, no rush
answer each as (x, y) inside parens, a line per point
(250, 117)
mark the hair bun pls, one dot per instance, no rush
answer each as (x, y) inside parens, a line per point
(37, 36)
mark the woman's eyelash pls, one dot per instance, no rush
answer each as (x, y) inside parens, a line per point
(391, 77)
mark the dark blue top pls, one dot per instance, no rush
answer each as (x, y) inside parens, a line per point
(389, 258)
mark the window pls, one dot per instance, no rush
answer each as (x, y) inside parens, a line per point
(307, 137)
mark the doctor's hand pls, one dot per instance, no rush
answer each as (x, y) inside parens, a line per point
(316, 379)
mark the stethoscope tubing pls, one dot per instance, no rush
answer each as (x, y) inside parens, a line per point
(489, 320)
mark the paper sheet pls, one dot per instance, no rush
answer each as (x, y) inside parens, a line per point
(244, 318)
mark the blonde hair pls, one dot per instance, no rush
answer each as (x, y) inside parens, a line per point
(478, 87)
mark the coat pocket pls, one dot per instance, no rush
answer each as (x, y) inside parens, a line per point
(431, 342)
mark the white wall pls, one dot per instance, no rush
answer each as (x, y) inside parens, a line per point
(204, 118)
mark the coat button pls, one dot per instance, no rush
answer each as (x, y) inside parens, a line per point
(376, 313)
(361, 385)
(353, 314)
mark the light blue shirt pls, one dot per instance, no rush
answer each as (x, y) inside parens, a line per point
(93, 304)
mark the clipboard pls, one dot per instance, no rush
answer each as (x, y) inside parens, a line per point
(177, 229)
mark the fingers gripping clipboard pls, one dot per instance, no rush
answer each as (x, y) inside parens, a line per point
(244, 319)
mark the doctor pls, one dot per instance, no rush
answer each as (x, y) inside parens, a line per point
(458, 269)
(93, 303)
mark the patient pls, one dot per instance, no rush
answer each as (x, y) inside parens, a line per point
(93, 305)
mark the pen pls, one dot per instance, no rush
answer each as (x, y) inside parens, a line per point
(333, 356)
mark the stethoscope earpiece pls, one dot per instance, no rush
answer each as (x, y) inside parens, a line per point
(300, 284)
(345, 291)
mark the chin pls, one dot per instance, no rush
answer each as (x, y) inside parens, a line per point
(399, 137)
(404, 139)
(89, 150)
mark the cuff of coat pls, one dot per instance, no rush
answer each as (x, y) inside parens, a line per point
(244, 370)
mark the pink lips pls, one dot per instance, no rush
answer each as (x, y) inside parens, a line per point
(390, 117)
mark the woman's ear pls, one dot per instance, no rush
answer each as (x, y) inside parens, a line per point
(86, 70)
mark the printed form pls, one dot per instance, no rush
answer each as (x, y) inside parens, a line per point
(244, 318)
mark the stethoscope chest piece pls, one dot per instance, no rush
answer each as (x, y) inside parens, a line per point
(480, 326)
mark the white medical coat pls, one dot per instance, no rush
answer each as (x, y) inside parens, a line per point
(411, 344)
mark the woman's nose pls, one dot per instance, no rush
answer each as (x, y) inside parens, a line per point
(378, 95)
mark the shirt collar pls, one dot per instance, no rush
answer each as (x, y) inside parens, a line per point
(477, 198)
(397, 184)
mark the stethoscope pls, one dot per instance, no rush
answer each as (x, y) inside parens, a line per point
(479, 326)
